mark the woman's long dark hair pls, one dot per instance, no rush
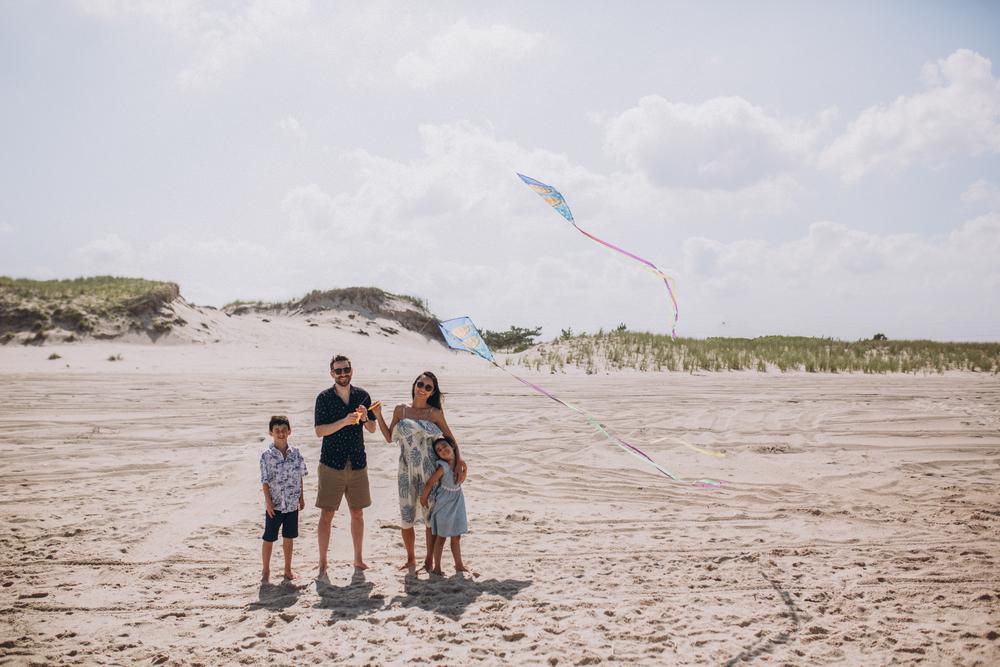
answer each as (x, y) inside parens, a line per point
(436, 398)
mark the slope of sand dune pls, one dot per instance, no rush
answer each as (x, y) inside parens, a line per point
(856, 524)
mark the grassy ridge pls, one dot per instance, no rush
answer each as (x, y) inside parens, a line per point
(83, 305)
(653, 352)
(109, 291)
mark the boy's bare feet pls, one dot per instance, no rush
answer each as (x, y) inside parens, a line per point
(408, 565)
(360, 565)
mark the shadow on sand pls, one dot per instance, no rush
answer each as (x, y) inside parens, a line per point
(452, 596)
(276, 596)
(350, 601)
(768, 644)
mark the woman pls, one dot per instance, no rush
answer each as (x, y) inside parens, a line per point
(414, 428)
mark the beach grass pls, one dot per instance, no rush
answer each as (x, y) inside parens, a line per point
(80, 304)
(622, 349)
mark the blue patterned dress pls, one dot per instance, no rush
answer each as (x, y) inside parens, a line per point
(417, 462)
(448, 513)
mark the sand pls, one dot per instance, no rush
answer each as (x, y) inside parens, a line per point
(857, 521)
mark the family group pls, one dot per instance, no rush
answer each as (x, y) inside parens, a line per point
(430, 476)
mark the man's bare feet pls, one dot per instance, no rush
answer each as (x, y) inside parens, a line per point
(408, 565)
(360, 565)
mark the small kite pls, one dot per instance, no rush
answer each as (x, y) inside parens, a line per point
(461, 334)
(558, 202)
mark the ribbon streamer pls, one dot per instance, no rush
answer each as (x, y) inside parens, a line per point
(558, 202)
(461, 334)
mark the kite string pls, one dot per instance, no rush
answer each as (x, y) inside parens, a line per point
(631, 449)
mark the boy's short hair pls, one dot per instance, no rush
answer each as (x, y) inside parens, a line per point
(336, 358)
(278, 420)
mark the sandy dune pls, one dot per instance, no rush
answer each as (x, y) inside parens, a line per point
(857, 524)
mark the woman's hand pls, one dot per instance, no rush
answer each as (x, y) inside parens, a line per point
(423, 500)
(462, 472)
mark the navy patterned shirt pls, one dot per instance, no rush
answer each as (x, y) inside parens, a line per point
(347, 444)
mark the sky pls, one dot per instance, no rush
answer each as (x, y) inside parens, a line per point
(797, 168)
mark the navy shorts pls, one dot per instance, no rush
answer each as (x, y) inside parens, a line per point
(287, 521)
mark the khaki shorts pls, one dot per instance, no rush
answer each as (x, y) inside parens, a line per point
(335, 484)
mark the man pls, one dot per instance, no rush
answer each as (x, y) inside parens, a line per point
(343, 465)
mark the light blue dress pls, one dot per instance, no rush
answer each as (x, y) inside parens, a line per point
(417, 462)
(448, 512)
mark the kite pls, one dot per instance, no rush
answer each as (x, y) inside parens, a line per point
(461, 334)
(558, 202)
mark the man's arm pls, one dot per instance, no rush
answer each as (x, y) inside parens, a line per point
(330, 429)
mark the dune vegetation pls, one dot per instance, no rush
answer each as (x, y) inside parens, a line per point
(98, 305)
(622, 349)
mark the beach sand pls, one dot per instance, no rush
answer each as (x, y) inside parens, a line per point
(857, 521)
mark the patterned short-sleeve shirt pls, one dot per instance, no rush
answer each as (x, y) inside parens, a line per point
(283, 475)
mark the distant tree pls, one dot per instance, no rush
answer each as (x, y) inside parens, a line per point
(566, 334)
(515, 339)
(880, 336)
(621, 328)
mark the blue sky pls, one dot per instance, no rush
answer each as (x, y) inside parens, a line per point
(798, 168)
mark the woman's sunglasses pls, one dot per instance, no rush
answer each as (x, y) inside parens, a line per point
(425, 387)
(341, 371)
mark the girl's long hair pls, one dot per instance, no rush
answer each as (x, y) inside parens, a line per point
(450, 441)
(436, 399)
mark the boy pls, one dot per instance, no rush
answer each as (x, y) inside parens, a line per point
(281, 471)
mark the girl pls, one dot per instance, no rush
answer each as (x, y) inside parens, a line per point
(448, 516)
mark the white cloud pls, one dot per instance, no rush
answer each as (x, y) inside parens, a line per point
(6, 228)
(463, 49)
(219, 40)
(724, 142)
(957, 115)
(982, 192)
(109, 251)
(291, 125)
(847, 282)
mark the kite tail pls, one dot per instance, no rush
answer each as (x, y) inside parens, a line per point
(631, 449)
(652, 267)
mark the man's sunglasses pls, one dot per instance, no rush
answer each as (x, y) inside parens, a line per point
(341, 371)
(425, 387)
